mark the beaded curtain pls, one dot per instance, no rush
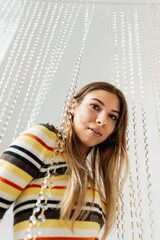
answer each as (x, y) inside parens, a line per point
(45, 45)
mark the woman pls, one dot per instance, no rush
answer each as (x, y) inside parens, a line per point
(65, 186)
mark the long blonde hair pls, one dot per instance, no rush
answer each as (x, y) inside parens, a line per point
(109, 158)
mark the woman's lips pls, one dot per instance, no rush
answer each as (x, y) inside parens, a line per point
(96, 131)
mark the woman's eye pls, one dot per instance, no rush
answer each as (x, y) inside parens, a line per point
(113, 117)
(94, 106)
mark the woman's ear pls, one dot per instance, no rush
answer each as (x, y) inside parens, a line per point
(74, 107)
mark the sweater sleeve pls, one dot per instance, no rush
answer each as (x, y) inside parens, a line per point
(21, 162)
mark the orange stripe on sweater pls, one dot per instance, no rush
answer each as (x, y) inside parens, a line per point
(11, 184)
(89, 188)
(57, 187)
(39, 140)
(39, 186)
(64, 238)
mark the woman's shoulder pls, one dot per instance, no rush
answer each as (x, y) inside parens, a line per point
(48, 126)
(44, 131)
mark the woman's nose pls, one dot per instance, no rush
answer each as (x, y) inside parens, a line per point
(102, 120)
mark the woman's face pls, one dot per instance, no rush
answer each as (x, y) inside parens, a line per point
(95, 118)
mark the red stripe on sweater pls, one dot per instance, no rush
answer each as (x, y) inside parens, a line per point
(57, 187)
(39, 186)
(64, 238)
(11, 184)
(39, 140)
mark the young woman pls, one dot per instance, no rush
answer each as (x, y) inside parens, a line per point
(70, 192)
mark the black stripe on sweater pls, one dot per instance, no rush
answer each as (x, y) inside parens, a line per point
(54, 213)
(28, 153)
(2, 200)
(19, 157)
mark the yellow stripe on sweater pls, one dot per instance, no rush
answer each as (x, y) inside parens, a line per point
(36, 191)
(36, 145)
(15, 170)
(53, 223)
(55, 192)
(9, 189)
(46, 131)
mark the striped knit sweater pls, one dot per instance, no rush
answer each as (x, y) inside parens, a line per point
(22, 169)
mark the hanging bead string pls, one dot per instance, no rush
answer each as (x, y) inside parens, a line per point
(123, 44)
(52, 66)
(138, 206)
(157, 38)
(158, 66)
(43, 53)
(5, 25)
(115, 53)
(4, 5)
(113, 63)
(5, 8)
(13, 65)
(115, 81)
(68, 105)
(132, 201)
(41, 204)
(152, 39)
(145, 137)
(35, 222)
(55, 58)
(15, 80)
(41, 207)
(156, 55)
(3, 79)
(105, 19)
(9, 18)
(27, 63)
(125, 90)
(155, 66)
(104, 2)
(28, 97)
(42, 58)
(138, 210)
(10, 71)
(29, 51)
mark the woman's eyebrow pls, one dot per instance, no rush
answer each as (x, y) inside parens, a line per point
(96, 99)
(116, 111)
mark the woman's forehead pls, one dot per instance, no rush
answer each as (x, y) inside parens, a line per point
(101, 93)
(104, 97)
